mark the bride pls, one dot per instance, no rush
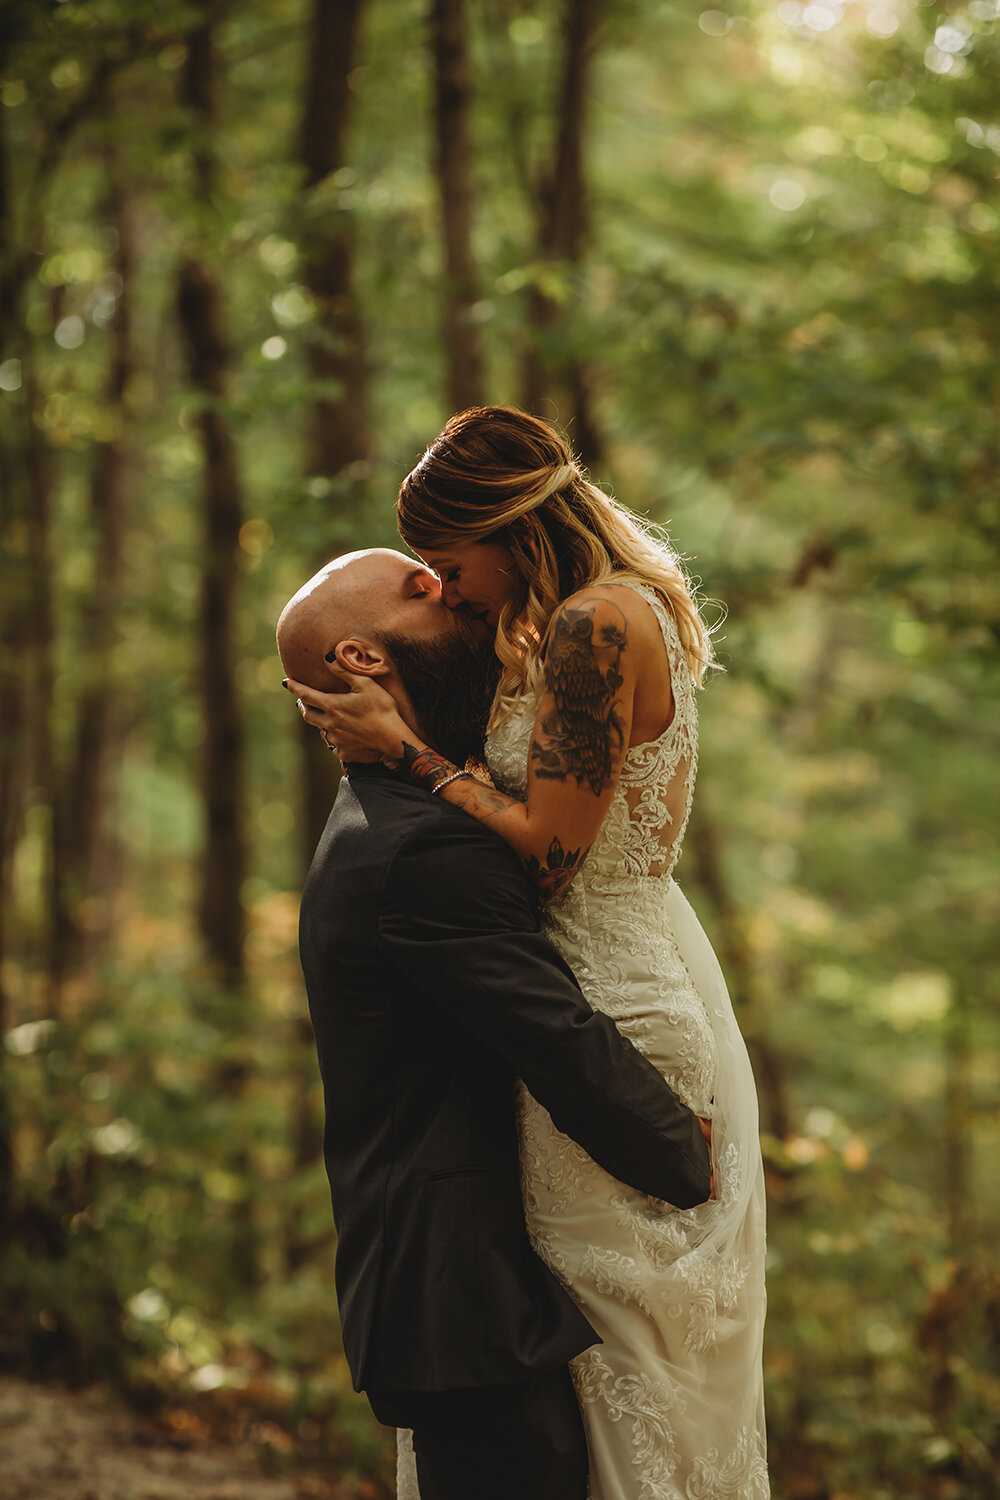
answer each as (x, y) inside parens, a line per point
(592, 752)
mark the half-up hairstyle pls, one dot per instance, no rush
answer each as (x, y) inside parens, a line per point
(498, 474)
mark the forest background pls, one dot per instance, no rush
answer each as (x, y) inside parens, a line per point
(253, 254)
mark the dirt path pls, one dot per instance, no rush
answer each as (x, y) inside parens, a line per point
(56, 1445)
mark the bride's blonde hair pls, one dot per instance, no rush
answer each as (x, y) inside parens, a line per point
(499, 474)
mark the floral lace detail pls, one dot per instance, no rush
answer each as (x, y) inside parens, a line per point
(646, 1407)
(742, 1475)
(616, 1275)
(550, 1161)
(619, 942)
(672, 1396)
(712, 1289)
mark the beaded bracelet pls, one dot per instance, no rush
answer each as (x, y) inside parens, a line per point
(447, 780)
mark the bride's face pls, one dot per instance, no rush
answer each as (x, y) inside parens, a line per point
(476, 578)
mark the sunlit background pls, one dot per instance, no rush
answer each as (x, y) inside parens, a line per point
(749, 258)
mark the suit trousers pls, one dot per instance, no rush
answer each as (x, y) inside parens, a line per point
(499, 1442)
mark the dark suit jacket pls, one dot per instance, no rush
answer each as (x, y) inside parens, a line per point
(431, 988)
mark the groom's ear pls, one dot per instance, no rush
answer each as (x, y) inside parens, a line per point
(363, 659)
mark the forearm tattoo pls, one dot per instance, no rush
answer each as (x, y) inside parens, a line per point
(425, 767)
(561, 865)
(585, 733)
(475, 797)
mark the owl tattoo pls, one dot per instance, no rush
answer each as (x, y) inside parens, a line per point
(582, 736)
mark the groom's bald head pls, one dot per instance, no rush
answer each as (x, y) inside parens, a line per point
(362, 595)
(383, 615)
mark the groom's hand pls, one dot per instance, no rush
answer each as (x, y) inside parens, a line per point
(705, 1127)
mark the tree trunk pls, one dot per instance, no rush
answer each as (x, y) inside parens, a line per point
(464, 369)
(201, 316)
(337, 435)
(40, 667)
(25, 589)
(83, 803)
(951, 1307)
(337, 442)
(14, 609)
(958, 1193)
(96, 738)
(338, 431)
(202, 320)
(561, 380)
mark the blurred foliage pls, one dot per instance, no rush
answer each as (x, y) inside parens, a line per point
(789, 309)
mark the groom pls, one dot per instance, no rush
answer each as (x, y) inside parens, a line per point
(431, 990)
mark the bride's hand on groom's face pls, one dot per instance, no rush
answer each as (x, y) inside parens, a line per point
(361, 722)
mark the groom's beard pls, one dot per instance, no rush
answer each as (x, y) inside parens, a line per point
(451, 684)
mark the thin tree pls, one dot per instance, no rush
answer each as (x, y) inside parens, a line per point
(26, 622)
(337, 443)
(337, 440)
(201, 315)
(15, 616)
(464, 381)
(82, 835)
(562, 379)
(202, 322)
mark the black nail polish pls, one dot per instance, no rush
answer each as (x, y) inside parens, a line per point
(284, 682)
(330, 656)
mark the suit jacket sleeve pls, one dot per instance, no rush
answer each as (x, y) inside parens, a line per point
(458, 924)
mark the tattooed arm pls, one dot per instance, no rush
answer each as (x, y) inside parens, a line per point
(578, 742)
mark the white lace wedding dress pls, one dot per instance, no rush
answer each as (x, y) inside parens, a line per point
(672, 1398)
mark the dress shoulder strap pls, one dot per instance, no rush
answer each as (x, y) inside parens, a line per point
(676, 655)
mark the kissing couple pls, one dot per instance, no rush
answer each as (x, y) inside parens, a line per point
(541, 1121)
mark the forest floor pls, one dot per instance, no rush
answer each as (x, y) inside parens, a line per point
(59, 1445)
